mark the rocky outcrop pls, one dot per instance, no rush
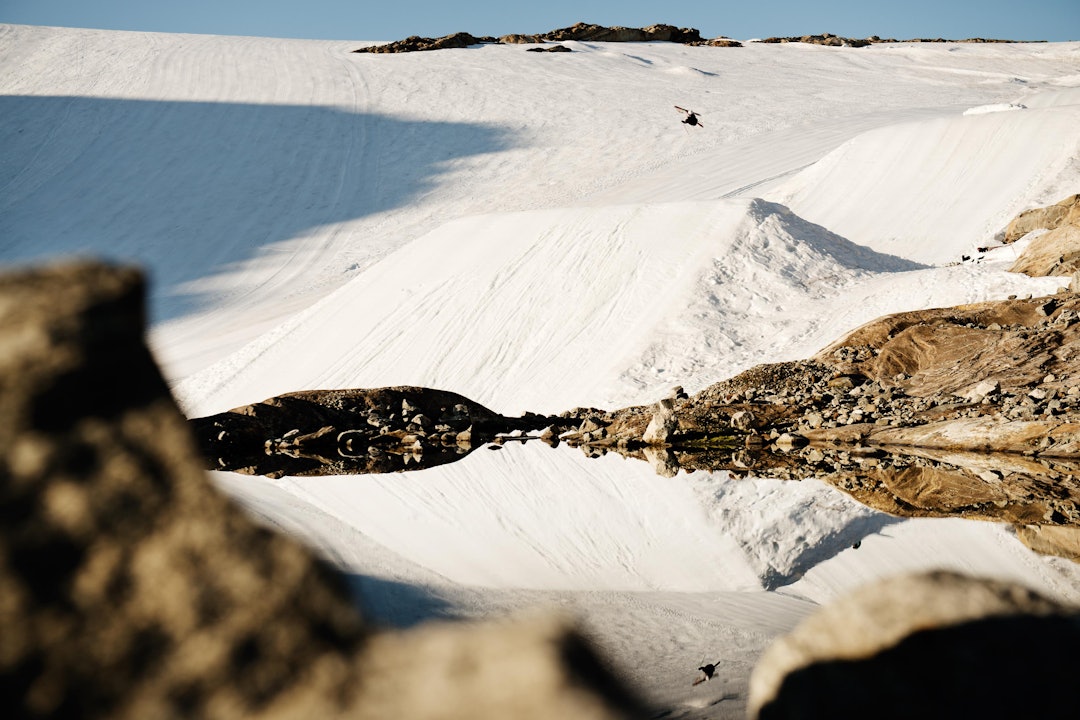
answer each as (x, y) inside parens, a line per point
(415, 43)
(823, 39)
(995, 376)
(550, 48)
(935, 645)
(581, 32)
(724, 42)
(1056, 252)
(341, 432)
(589, 32)
(133, 589)
(838, 41)
(971, 411)
(1066, 211)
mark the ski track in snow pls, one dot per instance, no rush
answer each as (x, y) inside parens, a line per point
(538, 231)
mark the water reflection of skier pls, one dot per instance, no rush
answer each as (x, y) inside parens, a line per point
(708, 671)
(691, 117)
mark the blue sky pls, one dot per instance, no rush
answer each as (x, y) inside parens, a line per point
(1053, 20)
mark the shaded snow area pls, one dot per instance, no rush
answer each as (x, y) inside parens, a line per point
(537, 231)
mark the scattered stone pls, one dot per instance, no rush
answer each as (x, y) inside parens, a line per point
(662, 425)
(550, 49)
(787, 441)
(742, 420)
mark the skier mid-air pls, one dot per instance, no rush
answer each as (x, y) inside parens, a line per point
(691, 117)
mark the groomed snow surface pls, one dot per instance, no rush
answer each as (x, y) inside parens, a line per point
(538, 231)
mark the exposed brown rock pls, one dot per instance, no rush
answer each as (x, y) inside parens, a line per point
(1044, 218)
(1061, 541)
(1055, 253)
(718, 42)
(133, 589)
(930, 645)
(900, 413)
(598, 33)
(415, 43)
(823, 39)
(1014, 342)
(550, 49)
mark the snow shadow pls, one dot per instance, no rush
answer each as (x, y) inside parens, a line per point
(826, 548)
(826, 242)
(189, 189)
(390, 603)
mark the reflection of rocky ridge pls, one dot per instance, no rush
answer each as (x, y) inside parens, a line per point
(341, 432)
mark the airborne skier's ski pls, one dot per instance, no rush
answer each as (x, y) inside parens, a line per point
(691, 117)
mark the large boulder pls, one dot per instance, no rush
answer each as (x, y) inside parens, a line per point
(132, 588)
(1044, 218)
(1056, 252)
(935, 645)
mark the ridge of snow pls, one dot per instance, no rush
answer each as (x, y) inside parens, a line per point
(921, 190)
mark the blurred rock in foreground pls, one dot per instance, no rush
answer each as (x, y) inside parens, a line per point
(131, 588)
(935, 645)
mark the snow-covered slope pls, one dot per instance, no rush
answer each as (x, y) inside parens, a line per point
(253, 175)
(631, 299)
(537, 231)
(933, 190)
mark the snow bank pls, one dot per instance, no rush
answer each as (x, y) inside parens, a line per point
(932, 191)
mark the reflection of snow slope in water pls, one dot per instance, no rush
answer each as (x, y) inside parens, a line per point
(529, 517)
(532, 517)
(785, 527)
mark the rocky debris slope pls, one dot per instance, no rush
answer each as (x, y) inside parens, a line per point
(994, 376)
(934, 645)
(132, 588)
(972, 411)
(582, 32)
